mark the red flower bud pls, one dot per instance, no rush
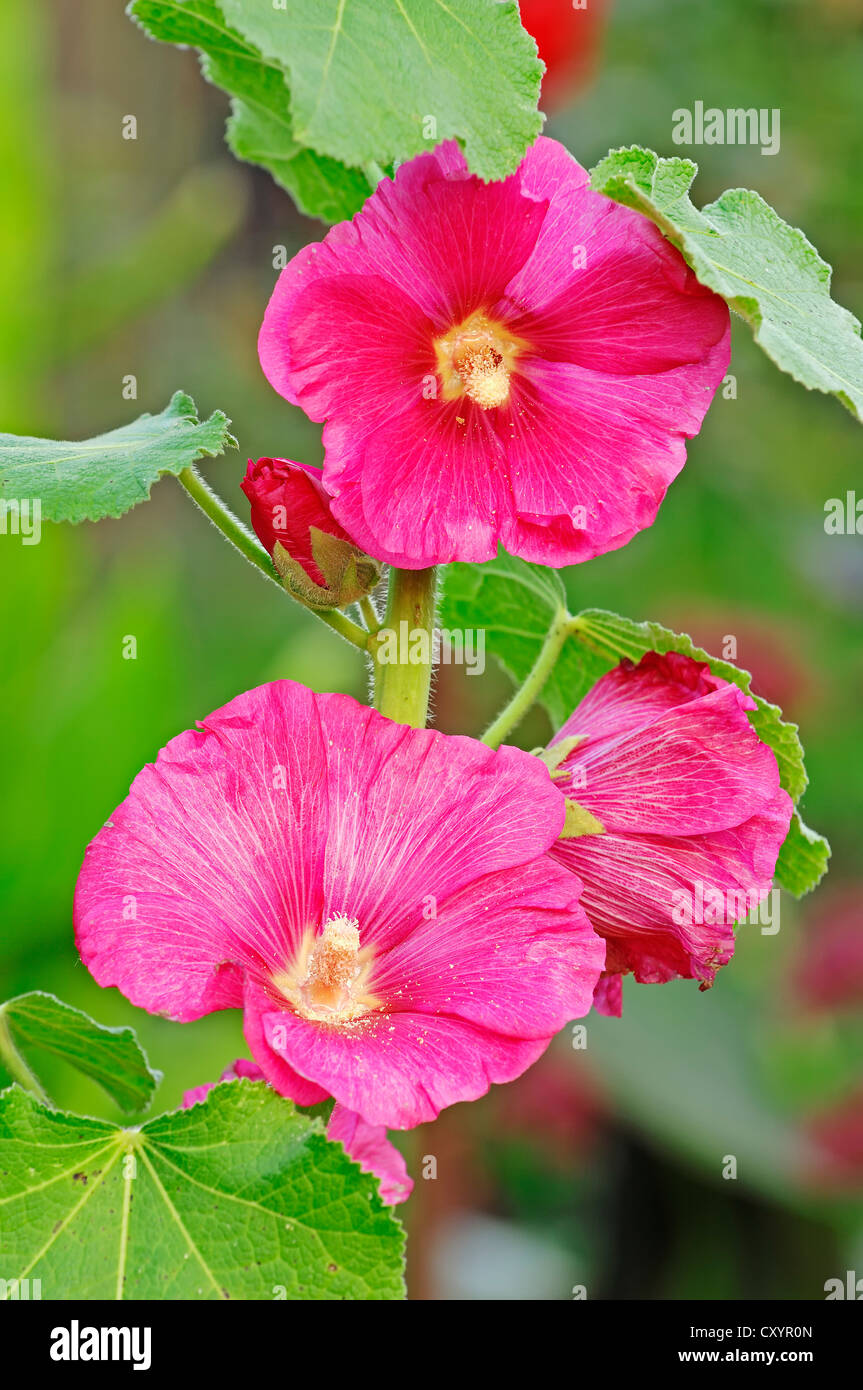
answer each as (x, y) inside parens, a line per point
(316, 558)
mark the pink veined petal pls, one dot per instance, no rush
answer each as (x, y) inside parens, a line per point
(630, 697)
(447, 453)
(417, 813)
(217, 852)
(516, 958)
(697, 768)
(608, 995)
(576, 466)
(369, 1147)
(635, 886)
(345, 336)
(596, 453)
(400, 1069)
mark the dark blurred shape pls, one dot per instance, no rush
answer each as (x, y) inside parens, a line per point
(568, 40)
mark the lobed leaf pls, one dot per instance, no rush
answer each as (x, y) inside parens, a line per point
(107, 475)
(239, 1197)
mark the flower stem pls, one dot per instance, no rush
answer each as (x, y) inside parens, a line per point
(403, 648)
(15, 1064)
(230, 526)
(513, 713)
(373, 172)
(370, 614)
(250, 547)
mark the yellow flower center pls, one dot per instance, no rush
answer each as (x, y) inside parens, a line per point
(476, 358)
(329, 978)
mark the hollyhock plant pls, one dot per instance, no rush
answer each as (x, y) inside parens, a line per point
(375, 898)
(514, 363)
(675, 817)
(366, 1144)
(292, 519)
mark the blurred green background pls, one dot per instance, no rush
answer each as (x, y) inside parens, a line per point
(603, 1167)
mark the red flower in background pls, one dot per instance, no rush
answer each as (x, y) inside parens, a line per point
(828, 974)
(568, 39)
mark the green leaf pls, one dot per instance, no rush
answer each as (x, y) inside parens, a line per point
(237, 1197)
(113, 1057)
(765, 269)
(517, 603)
(260, 129)
(369, 77)
(107, 475)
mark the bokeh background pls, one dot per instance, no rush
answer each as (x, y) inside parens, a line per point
(603, 1166)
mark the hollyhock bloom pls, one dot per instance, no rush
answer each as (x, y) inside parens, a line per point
(291, 517)
(366, 1144)
(676, 821)
(516, 362)
(375, 898)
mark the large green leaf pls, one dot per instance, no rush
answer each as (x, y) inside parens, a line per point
(260, 129)
(766, 270)
(517, 603)
(238, 1197)
(111, 1056)
(107, 475)
(381, 80)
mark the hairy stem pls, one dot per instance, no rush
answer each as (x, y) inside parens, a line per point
(15, 1064)
(370, 614)
(402, 657)
(250, 547)
(513, 713)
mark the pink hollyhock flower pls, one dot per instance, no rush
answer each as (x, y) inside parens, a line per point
(291, 517)
(676, 821)
(375, 898)
(366, 1144)
(515, 363)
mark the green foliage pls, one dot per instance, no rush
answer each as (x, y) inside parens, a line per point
(367, 76)
(766, 270)
(111, 1056)
(326, 92)
(517, 603)
(238, 1197)
(260, 128)
(107, 475)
